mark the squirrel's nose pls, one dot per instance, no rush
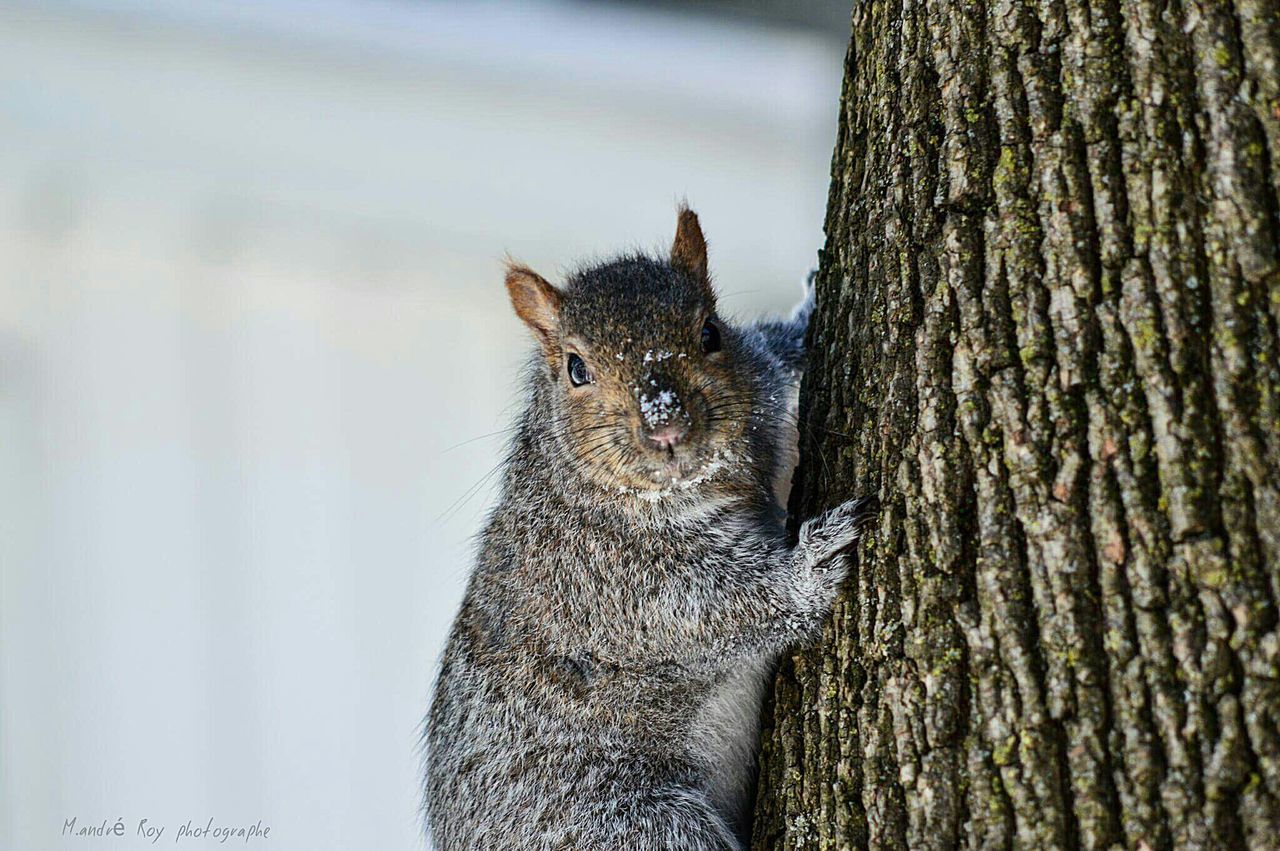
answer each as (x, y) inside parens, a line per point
(668, 436)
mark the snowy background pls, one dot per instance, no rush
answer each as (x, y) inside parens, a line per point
(254, 349)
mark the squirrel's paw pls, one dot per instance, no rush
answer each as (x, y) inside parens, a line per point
(825, 536)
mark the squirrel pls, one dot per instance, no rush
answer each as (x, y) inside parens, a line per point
(634, 585)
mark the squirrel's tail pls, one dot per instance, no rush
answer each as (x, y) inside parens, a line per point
(785, 338)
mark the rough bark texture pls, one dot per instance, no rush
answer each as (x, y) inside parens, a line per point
(1047, 339)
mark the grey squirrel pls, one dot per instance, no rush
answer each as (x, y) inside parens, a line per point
(634, 585)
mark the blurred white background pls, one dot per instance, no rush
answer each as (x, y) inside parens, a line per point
(254, 349)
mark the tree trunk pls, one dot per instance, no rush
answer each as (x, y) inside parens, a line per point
(1047, 339)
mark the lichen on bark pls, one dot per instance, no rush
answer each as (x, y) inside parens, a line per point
(1047, 340)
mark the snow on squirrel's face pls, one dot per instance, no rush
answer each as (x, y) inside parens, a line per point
(652, 392)
(652, 406)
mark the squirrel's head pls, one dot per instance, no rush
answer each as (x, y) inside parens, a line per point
(646, 387)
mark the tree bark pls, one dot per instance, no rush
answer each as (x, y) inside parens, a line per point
(1046, 338)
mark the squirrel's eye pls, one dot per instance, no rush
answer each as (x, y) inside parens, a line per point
(578, 372)
(710, 337)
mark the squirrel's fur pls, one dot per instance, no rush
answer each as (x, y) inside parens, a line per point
(601, 685)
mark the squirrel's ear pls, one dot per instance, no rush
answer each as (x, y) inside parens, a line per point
(689, 251)
(536, 301)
